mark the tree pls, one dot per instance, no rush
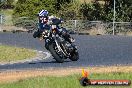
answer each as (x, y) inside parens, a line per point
(30, 8)
(96, 11)
(7, 4)
(59, 3)
(70, 11)
(123, 10)
(92, 11)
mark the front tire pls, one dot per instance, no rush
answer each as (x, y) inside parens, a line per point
(55, 55)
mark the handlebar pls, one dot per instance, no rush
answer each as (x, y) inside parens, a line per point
(56, 21)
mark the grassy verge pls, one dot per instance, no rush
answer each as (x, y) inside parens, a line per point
(71, 81)
(9, 53)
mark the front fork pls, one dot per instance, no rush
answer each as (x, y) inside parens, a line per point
(47, 43)
(59, 48)
(50, 41)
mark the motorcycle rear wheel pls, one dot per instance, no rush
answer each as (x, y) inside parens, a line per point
(74, 56)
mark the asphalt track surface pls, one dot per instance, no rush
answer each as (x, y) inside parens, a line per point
(94, 51)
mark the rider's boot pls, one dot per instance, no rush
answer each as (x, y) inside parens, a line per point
(69, 38)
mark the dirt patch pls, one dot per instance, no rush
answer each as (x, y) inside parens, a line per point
(11, 76)
(10, 28)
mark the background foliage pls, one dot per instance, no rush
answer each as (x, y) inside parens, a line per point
(4, 4)
(71, 9)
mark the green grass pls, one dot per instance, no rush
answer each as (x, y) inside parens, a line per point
(66, 82)
(9, 53)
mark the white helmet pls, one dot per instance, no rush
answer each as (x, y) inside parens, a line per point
(43, 13)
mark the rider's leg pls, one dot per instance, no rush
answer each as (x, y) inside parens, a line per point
(36, 34)
(67, 36)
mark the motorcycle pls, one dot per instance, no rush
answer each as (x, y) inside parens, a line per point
(57, 45)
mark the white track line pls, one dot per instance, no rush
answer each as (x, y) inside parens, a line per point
(47, 55)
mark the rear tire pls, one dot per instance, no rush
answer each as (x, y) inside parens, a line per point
(74, 56)
(55, 55)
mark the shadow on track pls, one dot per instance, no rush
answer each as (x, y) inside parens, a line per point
(54, 62)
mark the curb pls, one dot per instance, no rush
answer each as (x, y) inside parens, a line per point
(40, 56)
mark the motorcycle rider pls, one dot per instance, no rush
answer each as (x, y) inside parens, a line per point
(44, 24)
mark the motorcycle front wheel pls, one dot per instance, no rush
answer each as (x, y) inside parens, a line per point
(57, 57)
